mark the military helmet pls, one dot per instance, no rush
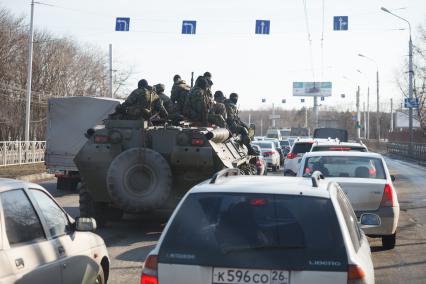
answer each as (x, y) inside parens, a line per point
(159, 88)
(233, 97)
(176, 78)
(142, 83)
(201, 82)
(219, 95)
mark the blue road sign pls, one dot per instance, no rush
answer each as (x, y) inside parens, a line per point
(302, 100)
(263, 27)
(189, 27)
(411, 103)
(340, 23)
(263, 100)
(122, 24)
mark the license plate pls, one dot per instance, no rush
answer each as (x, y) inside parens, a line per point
(249, 276)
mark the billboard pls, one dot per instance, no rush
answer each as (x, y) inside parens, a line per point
(312, 89)
(401, 120)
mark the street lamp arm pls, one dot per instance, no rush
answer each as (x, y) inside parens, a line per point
(399, 17)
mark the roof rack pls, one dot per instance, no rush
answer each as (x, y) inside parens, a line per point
(225, 173)
(316, 177)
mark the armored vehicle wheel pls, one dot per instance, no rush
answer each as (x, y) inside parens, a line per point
(248, 169)
(89, 208)
(139, 179)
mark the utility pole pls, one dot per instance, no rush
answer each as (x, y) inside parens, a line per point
(29, 74)
(391, 120)
(261, 127)
(110, 71)
(368, 113)
(316, 111)
(410, 95)
(306, 117)
(273, 116)
(365, 120)
(192, 79)
(358, 116)
(378, 107)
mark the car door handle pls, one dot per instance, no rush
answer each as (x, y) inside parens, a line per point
(61, 250)
(19, 262)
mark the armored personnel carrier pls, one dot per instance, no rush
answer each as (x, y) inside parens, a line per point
(127, 166)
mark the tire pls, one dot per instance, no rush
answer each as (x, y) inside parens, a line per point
(139, 179)
(90, 208)
(100, 278)
(274, 168)
(389, 241)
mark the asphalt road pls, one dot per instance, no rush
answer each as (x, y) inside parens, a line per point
(130, 240)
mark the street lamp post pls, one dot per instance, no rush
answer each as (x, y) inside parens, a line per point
(410, 84)
(378, 100)
(367, 123)
(29, 74)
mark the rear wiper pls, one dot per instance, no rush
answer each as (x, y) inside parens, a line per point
(260, 247)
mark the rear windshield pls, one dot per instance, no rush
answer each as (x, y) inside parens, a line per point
(345, 166)
(341, 134)
(284, 143)
(264, 145)
(339, 148)
(272, 135)
(264, 231)
(300, 148)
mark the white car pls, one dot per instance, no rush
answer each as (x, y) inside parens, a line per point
(270, 154)
(294, 157)
(252, 229)
(41, 243)
(365, 178)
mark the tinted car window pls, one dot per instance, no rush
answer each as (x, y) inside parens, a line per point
(22, 222)
(301, 147)
(264, 145)
(345, 166)
(56, 220)
(338, 148)
(255, 231)
(284, 143)
(341, 134)
(350, 220)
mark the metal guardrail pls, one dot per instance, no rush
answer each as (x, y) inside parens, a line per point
(401, 149)
(21, 152)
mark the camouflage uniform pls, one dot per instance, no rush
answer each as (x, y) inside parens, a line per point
(143, 103)
(198, 104)
(167, 102)
(179, 93)
(218, 112)
(236, 126)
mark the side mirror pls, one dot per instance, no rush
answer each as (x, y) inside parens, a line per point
(369, 220)
(85, 224)
(393, 178)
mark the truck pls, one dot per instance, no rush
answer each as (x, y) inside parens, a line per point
(67, 120)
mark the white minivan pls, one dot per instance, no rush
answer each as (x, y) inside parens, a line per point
(253, 229)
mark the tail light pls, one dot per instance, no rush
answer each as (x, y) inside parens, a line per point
(388, 198)
(197, 142)
(268, 153)
(149, 272)
(101, 139)
(355, 273)
(291, 155)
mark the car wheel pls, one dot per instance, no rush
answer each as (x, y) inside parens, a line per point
(388, 242)
(274, 168)
(100, 278)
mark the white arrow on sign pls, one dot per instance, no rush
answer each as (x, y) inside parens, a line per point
(191, 27)
(124, 22)
(262, 27)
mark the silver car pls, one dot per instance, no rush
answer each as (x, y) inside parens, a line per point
(270, 154)
(41, 243)
(365, 178)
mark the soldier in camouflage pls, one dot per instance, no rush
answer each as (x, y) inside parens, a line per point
(236, 126)
(208, 76)
(198, 103)
(143, 103)
(167, 102)
(218, 112)
(179, 93)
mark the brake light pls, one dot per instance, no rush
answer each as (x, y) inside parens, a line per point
(291, 155)
(197, 142)
(258, 201)
(149, 272)
(355, 273)
(388, 198)
(339, 149)
(268, 153)
(100, 139)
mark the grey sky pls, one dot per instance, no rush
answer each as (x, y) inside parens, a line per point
(255, 66)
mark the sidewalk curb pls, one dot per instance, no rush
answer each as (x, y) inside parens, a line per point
(36, 177)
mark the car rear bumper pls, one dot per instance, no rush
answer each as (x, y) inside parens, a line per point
(389, 221)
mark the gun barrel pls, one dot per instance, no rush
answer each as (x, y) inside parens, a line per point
(218, 135)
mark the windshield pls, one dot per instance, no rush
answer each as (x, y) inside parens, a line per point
(345, 166)
(341, 134)
(254, 230)
(264, 145)
(284, 143)
(302, 147)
